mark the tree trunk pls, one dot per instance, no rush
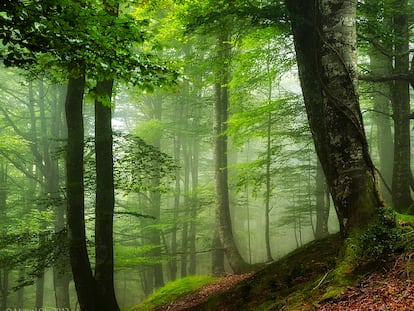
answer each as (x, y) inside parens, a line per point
(155, 201)
(401, 181)
(61, 268)
(4, 288)
(325, 43)
(20, 291)
(194, 202)
(268, 182)
(105, 195)
(381, 65)
(4, 271)
(322, 204)
(221, 104)
(81, 268)
(105, 198)
(217, 255)
(186, 214)
(177, 192)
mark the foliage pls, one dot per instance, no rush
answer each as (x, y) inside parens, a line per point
(173, 291)
(128, 256)
(38, 35)
(36, 250)
(136, 163)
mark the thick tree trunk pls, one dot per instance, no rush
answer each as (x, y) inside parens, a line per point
(221, 104)
(81, 268)
(325, 43)
(105, 198)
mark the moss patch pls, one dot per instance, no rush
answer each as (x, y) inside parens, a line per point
(173, 291)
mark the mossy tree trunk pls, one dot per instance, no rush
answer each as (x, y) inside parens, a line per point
(325, 42)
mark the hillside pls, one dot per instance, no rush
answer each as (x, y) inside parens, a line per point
(301, 281)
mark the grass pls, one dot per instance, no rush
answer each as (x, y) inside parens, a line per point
(173, 291)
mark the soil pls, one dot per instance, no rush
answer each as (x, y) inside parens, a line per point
(389, 288)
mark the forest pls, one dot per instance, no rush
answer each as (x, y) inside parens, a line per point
(150, 146)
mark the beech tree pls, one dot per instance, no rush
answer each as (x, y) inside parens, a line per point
(325, 42)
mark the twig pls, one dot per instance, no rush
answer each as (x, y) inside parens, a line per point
(321, 281)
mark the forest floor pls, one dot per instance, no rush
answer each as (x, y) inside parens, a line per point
(289, 285)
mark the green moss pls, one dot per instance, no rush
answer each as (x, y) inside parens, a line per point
(174, 290)
(404, 219)
(333, 292)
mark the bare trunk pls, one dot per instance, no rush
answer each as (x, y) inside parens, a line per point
(4, 288)
(61, 268)
(381, 65)
(221, 104)
(81, 268)
(268, 185)
(194, 206)
(401, 181)
(186, 214)
(105, 198)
